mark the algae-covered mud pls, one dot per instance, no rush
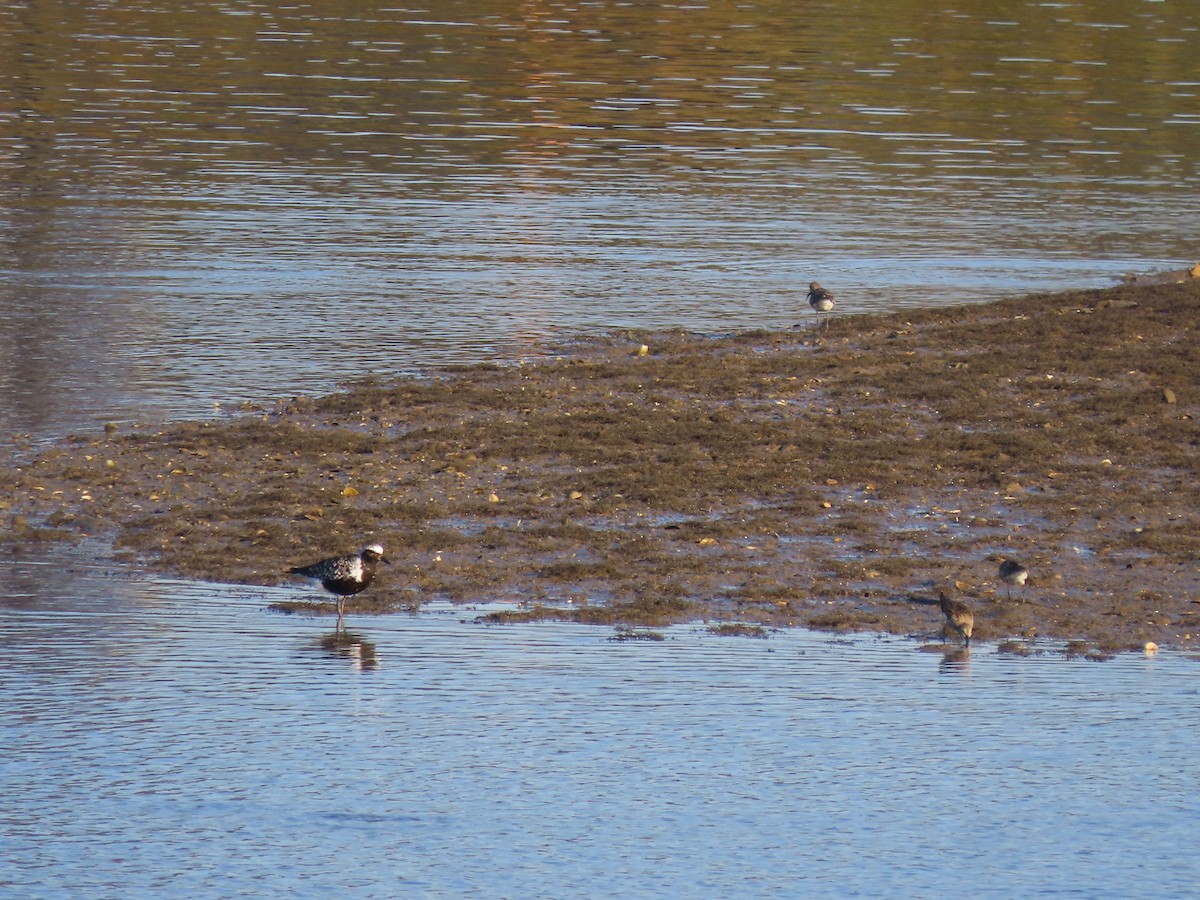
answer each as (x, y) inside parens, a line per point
(833, 477)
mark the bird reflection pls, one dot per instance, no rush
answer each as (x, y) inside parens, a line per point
(352, 646)
(956, 660)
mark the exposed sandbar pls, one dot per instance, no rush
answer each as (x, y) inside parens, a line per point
(831, 478)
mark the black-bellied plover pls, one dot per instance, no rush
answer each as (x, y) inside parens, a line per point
(820, 300)
(344, 576)
(1012, 573)
(958, 616)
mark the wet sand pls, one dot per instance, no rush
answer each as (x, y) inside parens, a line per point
(834, 478)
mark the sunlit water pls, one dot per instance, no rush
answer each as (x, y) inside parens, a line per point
(216, 202)
(165, 738)
(208, 203)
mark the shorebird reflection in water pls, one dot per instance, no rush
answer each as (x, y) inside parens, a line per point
(1012, 573)
(345, 576)
(820, 300)
(958, 616)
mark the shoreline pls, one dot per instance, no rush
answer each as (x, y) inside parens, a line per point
(833, 478)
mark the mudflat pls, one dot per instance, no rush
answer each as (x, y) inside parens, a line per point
(832, 477)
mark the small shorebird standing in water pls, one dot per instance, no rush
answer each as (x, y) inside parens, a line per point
(820, 300)
(958, 617)
(345, 576)
(1013, 573)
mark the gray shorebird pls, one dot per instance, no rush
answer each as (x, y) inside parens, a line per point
(958, 616)
(345, 576)
(1013, 574)
(820, 300)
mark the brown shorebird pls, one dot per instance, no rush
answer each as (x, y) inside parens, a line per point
(1013, 573)
(820, 300)
(958, 617)
(344, 576)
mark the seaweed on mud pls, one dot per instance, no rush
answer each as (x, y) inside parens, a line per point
(779, 477)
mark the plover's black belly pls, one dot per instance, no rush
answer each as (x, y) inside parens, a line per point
(339, 574)
(344, 576)
(344, 586)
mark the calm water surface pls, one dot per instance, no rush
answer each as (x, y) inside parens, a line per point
(217, 202)
(161, 737)
(210, 203)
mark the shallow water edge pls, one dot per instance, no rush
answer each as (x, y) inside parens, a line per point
(835, 477)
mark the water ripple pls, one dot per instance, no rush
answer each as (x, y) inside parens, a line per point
(237, 207)
(159, 730)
